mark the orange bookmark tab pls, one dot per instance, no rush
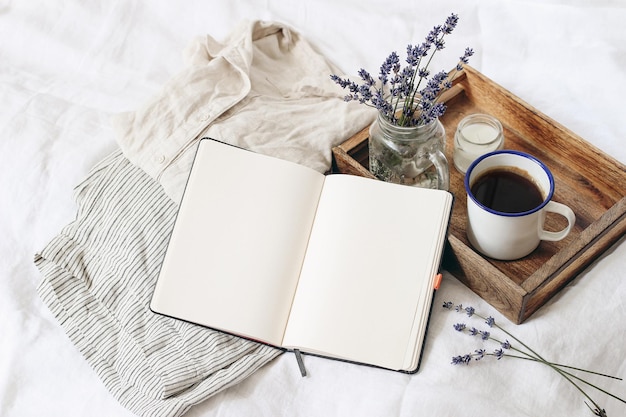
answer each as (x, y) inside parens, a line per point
(438, 279)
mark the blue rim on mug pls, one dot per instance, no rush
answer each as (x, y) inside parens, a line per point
(513, 152)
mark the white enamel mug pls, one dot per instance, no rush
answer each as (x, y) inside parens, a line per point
(509, 236)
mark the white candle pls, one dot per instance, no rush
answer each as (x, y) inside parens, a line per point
(479, 133)
(476, 135)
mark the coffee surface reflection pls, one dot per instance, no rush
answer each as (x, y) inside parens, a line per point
(506, 191)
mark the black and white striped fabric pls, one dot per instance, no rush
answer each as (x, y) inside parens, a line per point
(98, 277)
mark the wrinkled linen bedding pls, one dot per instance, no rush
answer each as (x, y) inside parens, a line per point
(70, 71)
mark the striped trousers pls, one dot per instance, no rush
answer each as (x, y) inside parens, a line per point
(98, 278)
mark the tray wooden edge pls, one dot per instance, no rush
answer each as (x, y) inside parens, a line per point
(343, 163)
(564, 266)
(470, 268)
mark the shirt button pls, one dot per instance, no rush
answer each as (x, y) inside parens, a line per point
(160, 159)
(205, 117)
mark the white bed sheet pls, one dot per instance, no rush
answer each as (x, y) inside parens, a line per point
(67, 66)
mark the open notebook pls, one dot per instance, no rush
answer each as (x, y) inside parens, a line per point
(338, 265)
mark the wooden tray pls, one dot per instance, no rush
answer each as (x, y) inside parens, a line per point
(592, 183)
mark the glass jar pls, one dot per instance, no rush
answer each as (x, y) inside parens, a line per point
(411, 155)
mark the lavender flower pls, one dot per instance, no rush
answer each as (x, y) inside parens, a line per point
(459, 327)
(456, 360)
(464, 359)
(464, 59)
(392, 63)
(365, 76)
(451, 23)
(397, 95)
(499, 353)
(505, 349)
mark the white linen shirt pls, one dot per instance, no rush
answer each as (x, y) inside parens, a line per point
(265, 89)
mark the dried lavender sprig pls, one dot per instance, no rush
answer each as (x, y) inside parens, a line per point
(486, 335)
(443, 83)
(432, 39)
(405, 98)
(477, 355)
(499, 354)
(490, 321)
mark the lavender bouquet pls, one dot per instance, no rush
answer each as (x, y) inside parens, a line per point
(408, 96)
(519, 350)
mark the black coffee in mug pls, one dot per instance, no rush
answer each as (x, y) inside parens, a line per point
(506, 191)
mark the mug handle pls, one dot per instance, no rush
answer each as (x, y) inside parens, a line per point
(564, 211)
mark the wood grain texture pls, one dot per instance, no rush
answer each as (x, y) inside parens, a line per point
(592, 183)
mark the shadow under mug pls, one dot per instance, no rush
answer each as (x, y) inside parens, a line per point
(509, 236)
